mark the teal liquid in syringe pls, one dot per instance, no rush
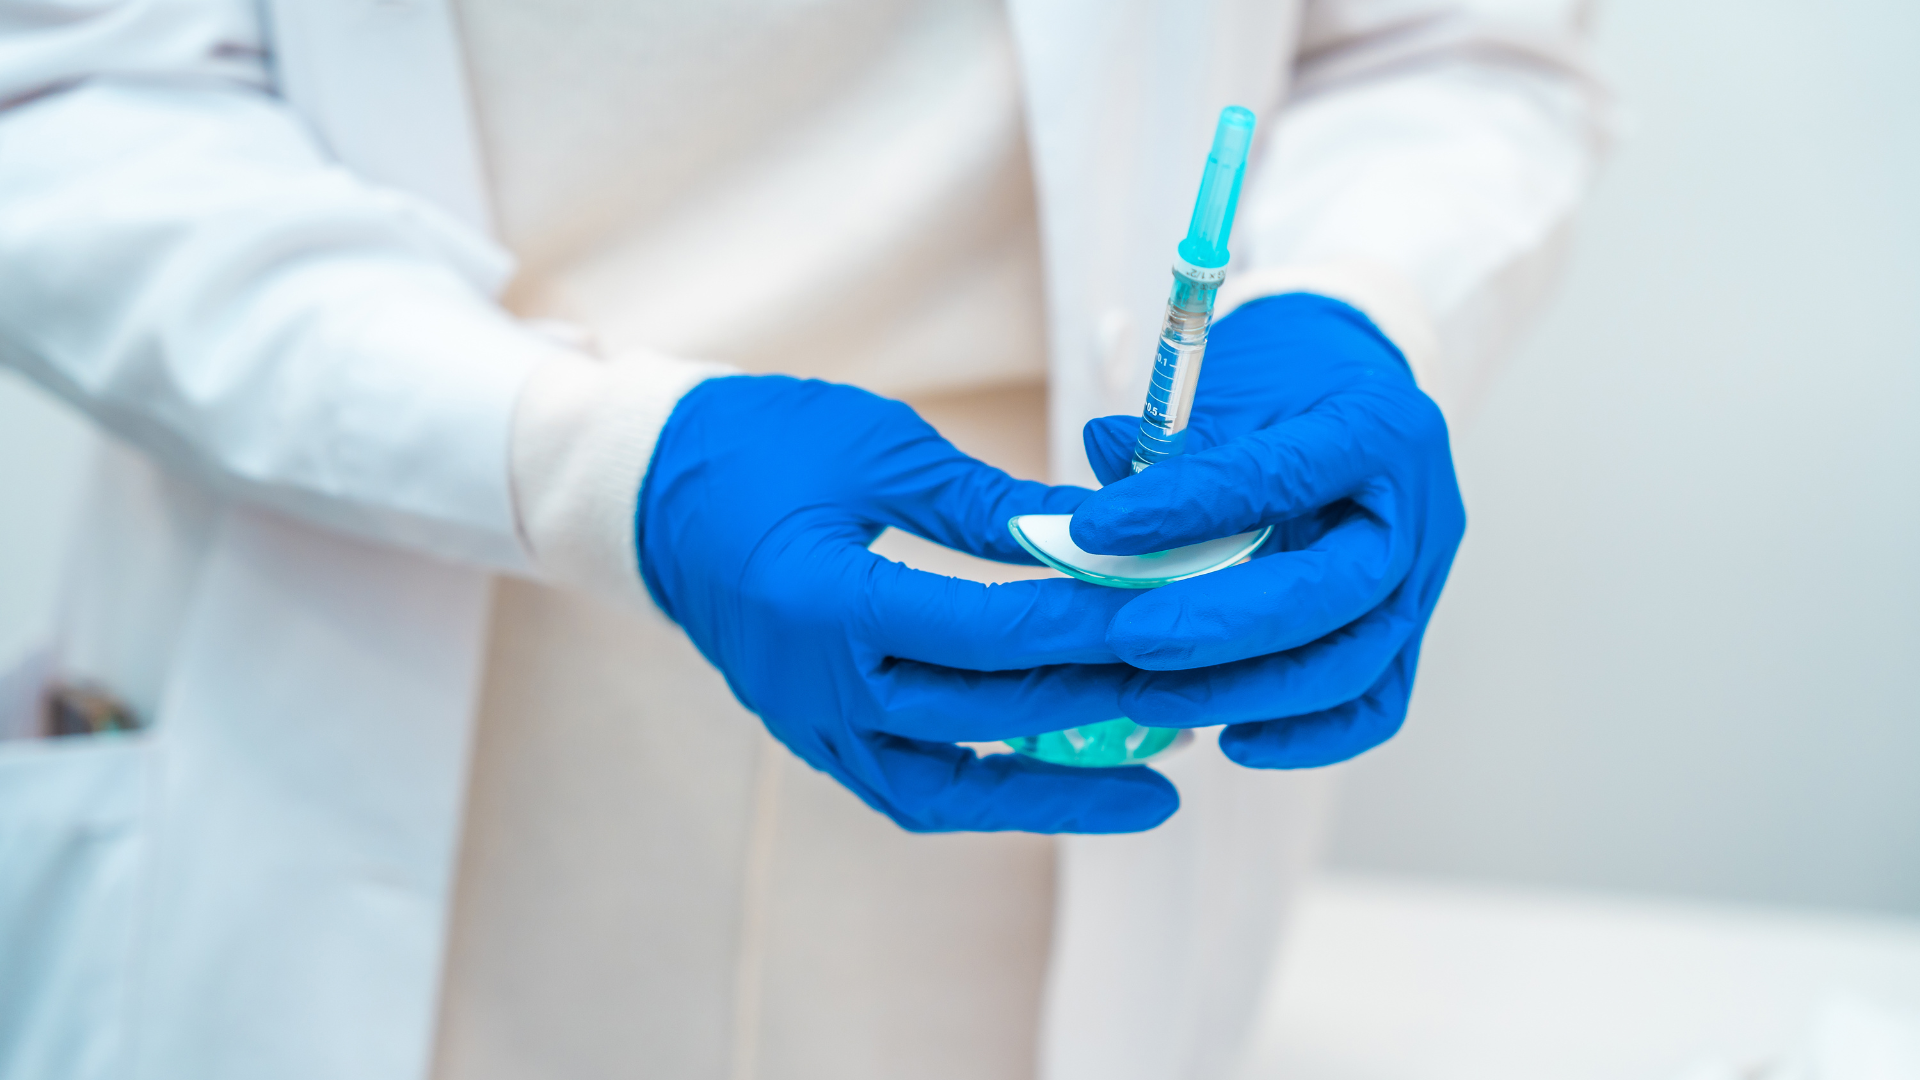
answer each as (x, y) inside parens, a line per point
(1198, 271)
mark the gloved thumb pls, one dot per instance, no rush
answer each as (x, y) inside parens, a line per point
(1110, 442)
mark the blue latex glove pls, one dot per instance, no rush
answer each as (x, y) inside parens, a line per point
(1306, 418)
(753, 527)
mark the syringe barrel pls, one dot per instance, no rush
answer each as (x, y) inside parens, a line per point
(1176, 365)
(1197, 274)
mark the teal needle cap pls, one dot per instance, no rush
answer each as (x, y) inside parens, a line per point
(1206, 242)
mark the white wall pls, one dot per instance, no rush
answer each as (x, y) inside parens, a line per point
(1681, 646)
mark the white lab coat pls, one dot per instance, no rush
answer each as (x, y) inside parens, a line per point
(290, 575)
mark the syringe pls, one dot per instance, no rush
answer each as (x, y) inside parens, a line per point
(1197, 274)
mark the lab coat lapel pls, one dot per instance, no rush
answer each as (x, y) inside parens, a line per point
(1121, 97)
(314, 735)
(313, 744)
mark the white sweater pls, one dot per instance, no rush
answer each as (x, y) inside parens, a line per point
(833, 190)
(838, 191)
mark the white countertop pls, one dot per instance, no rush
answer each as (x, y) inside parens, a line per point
(1416, 979)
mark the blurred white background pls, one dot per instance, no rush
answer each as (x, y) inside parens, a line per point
(1677, 653)
(1680, 648)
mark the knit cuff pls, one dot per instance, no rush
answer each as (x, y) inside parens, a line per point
(583, 436)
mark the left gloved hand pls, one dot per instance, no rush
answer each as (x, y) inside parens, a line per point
(1306, 418)
(753, 527)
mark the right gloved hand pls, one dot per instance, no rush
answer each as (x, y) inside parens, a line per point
(753, 527)
(1308, 418)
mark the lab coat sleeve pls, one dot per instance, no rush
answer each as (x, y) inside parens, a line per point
(1426, 168)
(181, 260)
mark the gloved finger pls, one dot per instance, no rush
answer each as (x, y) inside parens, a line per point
(1330, 735)
(1300, 465)
(932, 490)
(934, 787)
(915, 615)
(1267, 605)
(942, 704)
(1323, 675)
(1109, 441)
(927, 701)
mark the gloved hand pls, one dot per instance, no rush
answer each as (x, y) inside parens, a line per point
(753, 527)
(1306, 418)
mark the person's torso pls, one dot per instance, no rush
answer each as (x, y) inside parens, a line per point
(837, 190)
